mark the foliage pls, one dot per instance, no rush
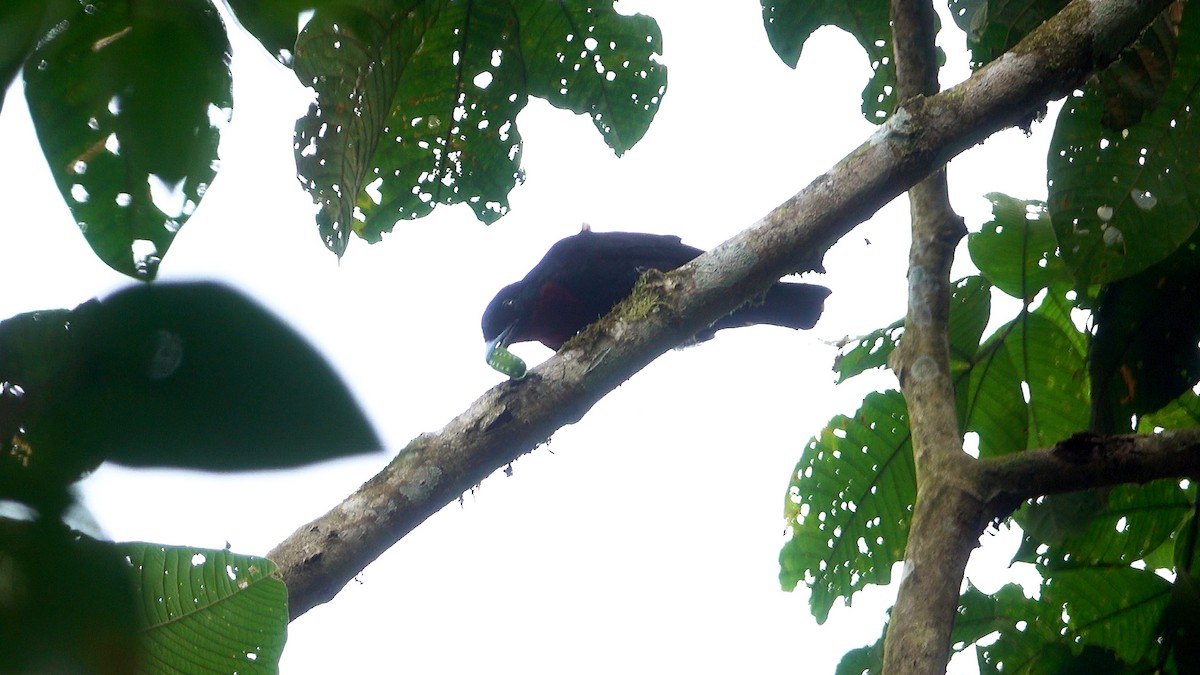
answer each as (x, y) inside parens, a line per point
(1105, 339)
(128, 99)
(67, 605)
(416, 103)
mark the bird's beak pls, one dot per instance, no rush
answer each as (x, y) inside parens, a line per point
(503, 340)
(499, 358)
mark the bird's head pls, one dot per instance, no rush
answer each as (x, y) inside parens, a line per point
(503, 315)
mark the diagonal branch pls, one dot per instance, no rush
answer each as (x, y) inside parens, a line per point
(511, 419)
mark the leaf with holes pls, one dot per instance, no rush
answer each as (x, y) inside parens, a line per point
(849, 503)
(1122, 201)
(789, 23)
(127, 100)
(1017, 249)
(417, 101)
(208, 611)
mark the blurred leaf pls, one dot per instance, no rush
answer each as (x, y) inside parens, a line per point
(849, 503)
(997, 25)
(1135, 84)
(1112, 608)
(1121, 202)
(66, 603)
(1017, 249)
(417, 101)
(963, 11)
(208, 611)
(126, 100)
(1144, 353)
(187, 375)
(789, 23)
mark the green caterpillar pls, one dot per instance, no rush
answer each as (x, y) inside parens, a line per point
(506, 362)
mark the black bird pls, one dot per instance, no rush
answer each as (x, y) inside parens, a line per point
(581, 278)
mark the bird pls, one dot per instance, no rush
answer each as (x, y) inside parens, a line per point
(582, 277)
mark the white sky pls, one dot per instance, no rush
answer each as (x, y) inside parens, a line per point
(644, 537)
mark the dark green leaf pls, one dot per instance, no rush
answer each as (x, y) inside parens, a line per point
(126, 99)
(997, 25)
(1123, 201)
(1144, 353)
(1017, 249)
(1112, 608)
(417, 101)
(208, 611)
(276, 23)
(66, 603)
(850, 502)
(1125, 524)
(188, 375)
(22, 23)
(789, 24)
(1136, 83)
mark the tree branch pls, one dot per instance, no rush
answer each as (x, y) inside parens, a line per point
(511, 419)
(1086, 461)
(947, 520)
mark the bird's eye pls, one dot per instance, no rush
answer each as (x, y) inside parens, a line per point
(509, 302)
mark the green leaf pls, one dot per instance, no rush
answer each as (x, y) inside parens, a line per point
(1047, 351)
(868, 352)
(206, 610)
(996, 410)
(1112, 608)
(187, 375)
(970, 307)
(417, 101)
(1128, 524)
(789, 23)
(617, 81)
(867, 660)
(1181, 413)
(1017, 249)
(22, 23)
(849, 503)
(1122, 201)
(275, 24)
(1144, 353)
(126, 100)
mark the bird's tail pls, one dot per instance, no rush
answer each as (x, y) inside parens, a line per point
(788, 305)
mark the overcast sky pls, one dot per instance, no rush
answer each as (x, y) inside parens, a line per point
(646, 536)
